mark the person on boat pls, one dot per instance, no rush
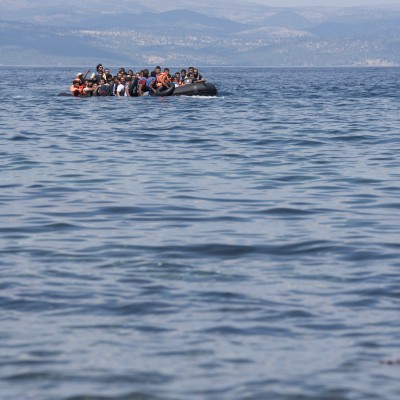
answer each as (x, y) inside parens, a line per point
(76, 88)
(142, 87)
(175, 80)
(95, 89)
(128, 85)
(103, 88)
(197, 76)
(189, 78)
(158, 70)
(82, 76)
(121, 87)
(163, 78)
(88, 89)
(183, 75)
(133, 86)
(190, 70)
(177, 75)
(112, 87)
(107, 74)
(151, 83)
(96, 76)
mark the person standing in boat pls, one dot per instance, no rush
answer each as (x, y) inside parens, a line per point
(96, 76)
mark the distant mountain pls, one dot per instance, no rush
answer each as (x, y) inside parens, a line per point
(287, 19)
(26, 44)
(184, 20)
(55, 12)
(85, 33)
(379, 29)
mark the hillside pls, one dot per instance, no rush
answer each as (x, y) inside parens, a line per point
(51, 34)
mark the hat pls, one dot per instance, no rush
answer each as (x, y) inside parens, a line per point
(79, 74)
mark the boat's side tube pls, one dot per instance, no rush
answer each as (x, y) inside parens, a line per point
(163, 91)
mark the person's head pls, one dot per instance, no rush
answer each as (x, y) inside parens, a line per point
(195, 71)
(177, 74)
(153, 74)
(191, 75)
(183, 73)
(99, 67)
(95, 86)
(190, 69)
(166, 71)
(146, 73)
(106, 71)
(102, 81)
(157, 69)
(130, 72)
(76, 83)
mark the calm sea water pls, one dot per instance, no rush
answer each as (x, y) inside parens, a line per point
(238, 247)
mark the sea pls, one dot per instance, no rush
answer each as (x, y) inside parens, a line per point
(238, 247)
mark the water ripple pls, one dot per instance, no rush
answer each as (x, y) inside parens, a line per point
(236, 247)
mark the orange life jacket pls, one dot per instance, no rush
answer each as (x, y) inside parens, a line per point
(73, 89)
(162, 77)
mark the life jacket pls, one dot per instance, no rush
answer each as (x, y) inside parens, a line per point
(162, 77)
(76, 91)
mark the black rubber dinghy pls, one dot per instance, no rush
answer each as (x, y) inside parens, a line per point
(163, 91)
(193, 89)
(196, 89)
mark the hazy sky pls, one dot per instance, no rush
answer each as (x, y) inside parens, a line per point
(328, 3)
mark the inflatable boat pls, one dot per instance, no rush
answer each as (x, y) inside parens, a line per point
(192, 89)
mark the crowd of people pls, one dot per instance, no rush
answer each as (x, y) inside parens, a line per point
(127, 83)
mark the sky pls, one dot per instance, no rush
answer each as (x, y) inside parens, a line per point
(327, 3)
